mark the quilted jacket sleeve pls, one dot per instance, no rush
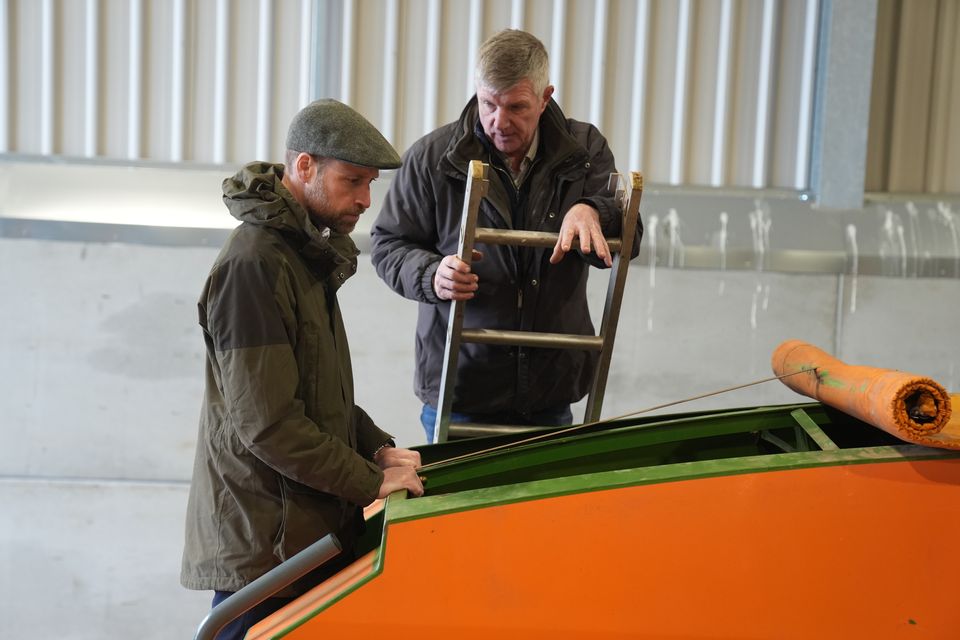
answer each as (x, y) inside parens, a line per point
(404, 235)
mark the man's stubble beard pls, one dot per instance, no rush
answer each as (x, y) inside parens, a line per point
(323, 214)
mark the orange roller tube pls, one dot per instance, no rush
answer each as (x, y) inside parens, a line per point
(911, 407)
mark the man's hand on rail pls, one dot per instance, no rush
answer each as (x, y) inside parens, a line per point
(453, 279)
(389, 456)
(397, 478)
(582, 221)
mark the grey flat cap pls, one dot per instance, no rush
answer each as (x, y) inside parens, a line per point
(332, 129)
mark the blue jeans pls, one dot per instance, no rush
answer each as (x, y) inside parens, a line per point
(556, 417)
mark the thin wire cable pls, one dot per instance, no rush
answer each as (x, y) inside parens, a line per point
(576, 427)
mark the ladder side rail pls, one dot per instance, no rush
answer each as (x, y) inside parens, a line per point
(476, 190)
(614, 298)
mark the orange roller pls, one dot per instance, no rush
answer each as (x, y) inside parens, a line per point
(911, 407)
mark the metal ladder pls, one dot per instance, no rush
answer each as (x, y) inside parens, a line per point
(629, 198)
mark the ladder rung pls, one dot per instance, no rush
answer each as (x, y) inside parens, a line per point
(519, 238)
(478, 430)
(532, 339)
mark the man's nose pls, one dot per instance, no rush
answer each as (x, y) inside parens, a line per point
(500, 120)
(363, 199)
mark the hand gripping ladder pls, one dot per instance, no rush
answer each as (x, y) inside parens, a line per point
(622, 247)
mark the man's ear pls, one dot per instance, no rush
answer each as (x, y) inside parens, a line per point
(547, 94)
(305, 167)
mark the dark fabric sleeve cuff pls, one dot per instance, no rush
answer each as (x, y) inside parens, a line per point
(426, 283)
(388, 444)
(371, 487)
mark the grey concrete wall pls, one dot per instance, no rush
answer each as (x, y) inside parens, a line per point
(101, 378)
(688, 332)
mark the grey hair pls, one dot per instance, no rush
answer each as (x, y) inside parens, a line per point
(508, 57)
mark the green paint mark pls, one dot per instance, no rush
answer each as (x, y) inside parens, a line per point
(912, 621)
(824, 377)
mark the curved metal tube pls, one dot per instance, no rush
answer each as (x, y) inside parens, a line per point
(266, 585)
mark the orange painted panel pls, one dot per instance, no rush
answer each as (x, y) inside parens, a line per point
(858, 551)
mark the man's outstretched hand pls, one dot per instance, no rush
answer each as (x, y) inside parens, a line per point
(582, 221)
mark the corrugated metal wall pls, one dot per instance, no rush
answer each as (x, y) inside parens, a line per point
(692, 92)
(914, 143)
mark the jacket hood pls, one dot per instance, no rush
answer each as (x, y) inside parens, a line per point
(256, 195)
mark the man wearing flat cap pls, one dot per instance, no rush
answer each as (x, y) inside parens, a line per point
(284, 456)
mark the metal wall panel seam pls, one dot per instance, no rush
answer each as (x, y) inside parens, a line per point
(599, 63)
(721, 99)
(221, 53)
(391, 42)
(91, 77)
(558, 27)
(47, 72)
(306, 53)
(178, 73)
(475, 32)
(680, 87)
(801, 179)
(939, 124)
(346, 60)
(264, 78)
(842, 103)
(638, 94)
(135, 80)
(517, 11)
(764, 91)
(432, 55)
(6, 94)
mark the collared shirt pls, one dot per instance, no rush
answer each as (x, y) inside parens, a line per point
(518, 176)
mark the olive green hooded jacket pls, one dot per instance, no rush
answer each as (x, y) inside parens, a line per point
(283, 453)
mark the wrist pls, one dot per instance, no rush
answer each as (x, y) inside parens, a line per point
(385, 445)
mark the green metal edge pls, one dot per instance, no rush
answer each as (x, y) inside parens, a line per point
(813, 430)
(430, 506)
(668, 430)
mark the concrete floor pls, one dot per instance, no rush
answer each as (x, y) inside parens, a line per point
(94, 560)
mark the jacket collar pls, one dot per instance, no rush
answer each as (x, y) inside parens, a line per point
(558, 146)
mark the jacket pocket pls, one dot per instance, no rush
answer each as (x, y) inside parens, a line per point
(308, 515)
(308, 359)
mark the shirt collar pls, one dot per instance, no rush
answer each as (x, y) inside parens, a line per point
(527, 160)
